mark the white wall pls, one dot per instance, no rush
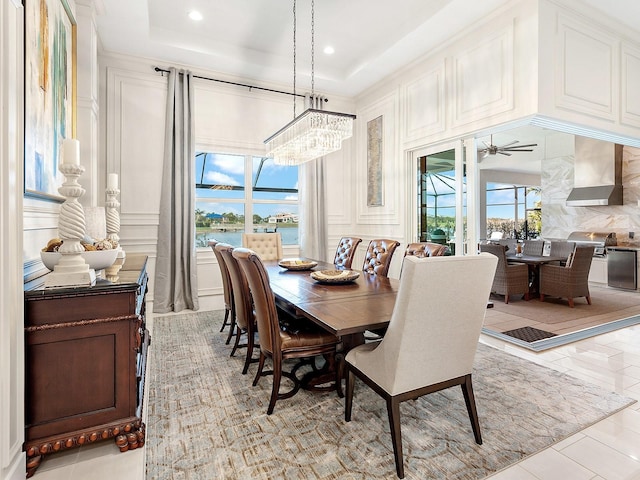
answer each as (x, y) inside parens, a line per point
(12, 460)
(228, 119)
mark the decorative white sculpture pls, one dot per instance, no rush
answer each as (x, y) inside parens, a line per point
(71, 270)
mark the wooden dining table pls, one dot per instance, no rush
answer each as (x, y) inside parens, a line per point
(346, 310)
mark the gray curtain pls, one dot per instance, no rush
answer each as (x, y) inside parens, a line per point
(176, 286)
(313, 216)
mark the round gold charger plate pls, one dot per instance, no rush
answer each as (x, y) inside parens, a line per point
(335, 276)
(297, 264)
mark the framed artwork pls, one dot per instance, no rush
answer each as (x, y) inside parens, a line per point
(374, 162)
(50, 93)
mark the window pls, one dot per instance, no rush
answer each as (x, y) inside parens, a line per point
(513, 210)
(243, 193)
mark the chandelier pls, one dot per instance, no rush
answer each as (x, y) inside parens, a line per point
(315, 132)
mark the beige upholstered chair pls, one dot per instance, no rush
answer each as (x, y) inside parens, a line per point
(275, 342)
(570, 281)
(345, 252)
(268, 246)
(243, 304)
(509, 279)
(229, 310)
(454, 292)
(378, 257)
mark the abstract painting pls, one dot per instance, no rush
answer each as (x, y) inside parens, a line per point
(50, 54)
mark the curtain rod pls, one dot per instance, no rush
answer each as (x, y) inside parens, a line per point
(250, 87)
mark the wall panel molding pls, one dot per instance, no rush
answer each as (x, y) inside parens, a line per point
(587, 69)
(483, 78)
(424, 104)
(629, 82)
(388, 213)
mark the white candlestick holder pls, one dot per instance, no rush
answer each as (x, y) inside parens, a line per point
(71, 269)
(113, 219)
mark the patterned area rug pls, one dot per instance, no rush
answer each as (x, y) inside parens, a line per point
(206, 421)
(529, 334)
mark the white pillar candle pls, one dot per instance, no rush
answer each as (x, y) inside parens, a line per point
(71, 151)
(112, 181)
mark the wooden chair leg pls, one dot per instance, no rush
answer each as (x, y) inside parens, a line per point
(236, 344)
(226, 317)
(542, 297)
(393, 410)
(469, 399)
(232, 327)
(571, 304)
(348, 399)
(588, 297)
(506, 298)
(249, 357)
(277, 377)
(260, 367)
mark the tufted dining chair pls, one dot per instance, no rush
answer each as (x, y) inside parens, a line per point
(378, 256)
(509, 279)
(229, 310)
(268, 246)
(569, 281)
(345, 252)
(243, 304)
(276, 342)
(426, 249)
(454, 291)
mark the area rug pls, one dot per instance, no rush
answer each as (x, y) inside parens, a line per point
(206, 421)
(609, 310)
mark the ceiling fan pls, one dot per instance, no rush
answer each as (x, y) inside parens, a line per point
(506, 149)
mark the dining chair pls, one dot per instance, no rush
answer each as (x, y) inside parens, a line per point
(243, 305)
(426, 249)
(277, 343)
(454, 291)
(533, 247)
(509, 279)
(346, 251)
(570, 281)
(562, 248)
(378, 256)
(229, 310)
(268, 246)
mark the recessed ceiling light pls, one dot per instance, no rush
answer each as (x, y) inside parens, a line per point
(329, 50)
(195, 15)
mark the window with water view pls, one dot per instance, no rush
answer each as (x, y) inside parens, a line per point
(244, 193)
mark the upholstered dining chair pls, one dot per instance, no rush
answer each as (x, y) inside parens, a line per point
(509, 279)
(345, 251)
(570, 281)
(229, 310)
(243, 305)
(454, 291)
(268, 246)
(275, 342)
(378, 257)
(426, 249)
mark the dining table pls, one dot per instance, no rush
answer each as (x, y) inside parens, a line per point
(534, 262)
(345, 309)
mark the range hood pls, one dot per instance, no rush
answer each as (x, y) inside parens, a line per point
(597, 174)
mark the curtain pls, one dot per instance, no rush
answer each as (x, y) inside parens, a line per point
(313, 216)
(176, 286)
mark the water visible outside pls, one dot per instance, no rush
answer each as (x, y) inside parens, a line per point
(289, 237)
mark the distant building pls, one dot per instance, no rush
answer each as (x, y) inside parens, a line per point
(283, 218)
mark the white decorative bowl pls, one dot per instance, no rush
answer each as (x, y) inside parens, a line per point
(97, 259)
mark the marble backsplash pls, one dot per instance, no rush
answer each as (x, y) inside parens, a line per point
(559, 220)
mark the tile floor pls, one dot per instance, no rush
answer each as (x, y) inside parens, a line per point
(608, 450)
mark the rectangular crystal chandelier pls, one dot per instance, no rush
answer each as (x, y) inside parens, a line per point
(312, 134)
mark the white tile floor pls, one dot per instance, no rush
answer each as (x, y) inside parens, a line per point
(608, 450)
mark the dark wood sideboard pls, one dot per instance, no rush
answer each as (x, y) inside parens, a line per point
(85, 360)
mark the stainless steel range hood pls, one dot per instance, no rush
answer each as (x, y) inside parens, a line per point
(597, 174)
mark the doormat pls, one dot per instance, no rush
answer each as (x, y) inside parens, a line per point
(529, 334)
